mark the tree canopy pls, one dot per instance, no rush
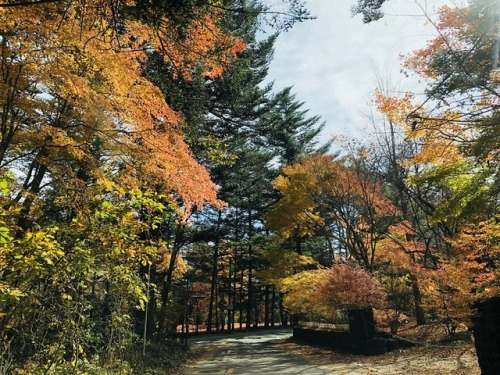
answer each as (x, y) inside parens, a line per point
(151, 178)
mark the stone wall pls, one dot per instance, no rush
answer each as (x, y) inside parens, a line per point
(380, 343)
(360, 336)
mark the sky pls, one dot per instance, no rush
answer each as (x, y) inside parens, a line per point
(331, 61)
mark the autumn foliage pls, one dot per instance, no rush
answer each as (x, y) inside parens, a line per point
(324, 195)
(424, 222)
(105, 209)
(92, 162)
(347, 285)
(452, 168)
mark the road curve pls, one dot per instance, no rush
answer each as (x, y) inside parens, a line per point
(244, 353)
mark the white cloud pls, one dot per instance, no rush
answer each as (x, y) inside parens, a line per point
(331, 61)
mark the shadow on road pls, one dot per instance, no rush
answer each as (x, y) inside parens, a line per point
(256, 352)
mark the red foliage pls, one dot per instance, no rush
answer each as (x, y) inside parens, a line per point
(347, 285)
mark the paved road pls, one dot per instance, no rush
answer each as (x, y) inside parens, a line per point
(250, 353)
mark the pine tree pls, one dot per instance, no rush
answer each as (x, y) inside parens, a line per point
(288, 131)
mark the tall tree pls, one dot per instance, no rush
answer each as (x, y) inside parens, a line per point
(288, 131)
(451, 172)
(95, 152)
(322, 193)
(223, 121)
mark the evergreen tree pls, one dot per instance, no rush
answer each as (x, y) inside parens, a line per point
(288, 131)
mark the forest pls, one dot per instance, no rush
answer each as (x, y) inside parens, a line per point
(151, 176)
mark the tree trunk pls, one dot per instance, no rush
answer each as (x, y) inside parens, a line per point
(266, 307)
(273, 306)
(487, 335)
(233, 301)
(240, 319)
(417, 297)
(167, 284)
(250, 287)
(140, 315)
(34, 185)
(213, 283)
(283, 317)
(250, 266)
(298, 244)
